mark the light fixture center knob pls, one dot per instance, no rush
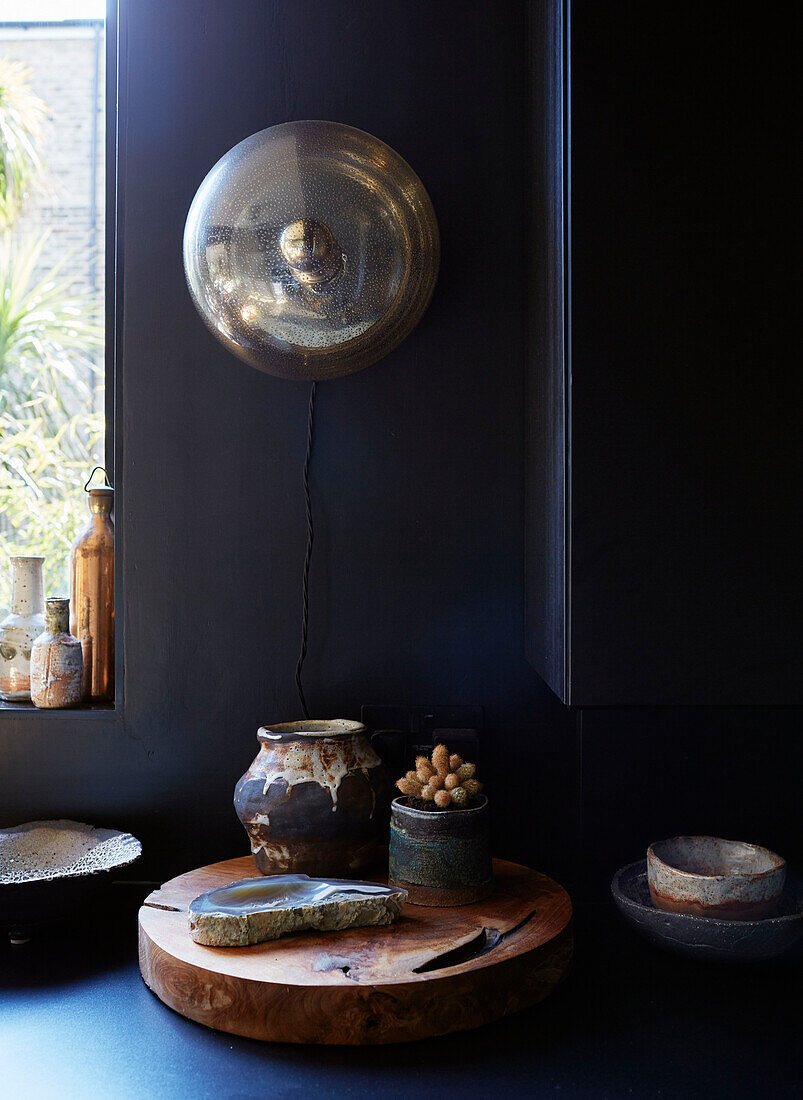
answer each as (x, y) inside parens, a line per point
(310, 249)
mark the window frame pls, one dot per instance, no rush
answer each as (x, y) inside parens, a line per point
(113, 314)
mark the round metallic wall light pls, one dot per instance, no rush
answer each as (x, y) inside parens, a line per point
(311, 250)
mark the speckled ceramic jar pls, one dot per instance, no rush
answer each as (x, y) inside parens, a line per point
(315, 799)
(57, 664)
(20, 628)
(707, 876)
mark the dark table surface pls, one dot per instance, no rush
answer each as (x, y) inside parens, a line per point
(76, 1020)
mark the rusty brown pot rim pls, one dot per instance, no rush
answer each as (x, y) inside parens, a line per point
(328, 729)
(778, 861)
(401, 803)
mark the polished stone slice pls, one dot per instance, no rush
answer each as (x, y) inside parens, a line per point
(256, 909)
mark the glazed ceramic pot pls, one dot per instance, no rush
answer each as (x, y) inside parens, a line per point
(710, 877)
(20, 628)
(315, 799)
(441, 857)
(57, 664)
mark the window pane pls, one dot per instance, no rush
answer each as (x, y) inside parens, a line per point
(52, 190)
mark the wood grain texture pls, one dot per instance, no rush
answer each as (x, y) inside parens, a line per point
(363, 985)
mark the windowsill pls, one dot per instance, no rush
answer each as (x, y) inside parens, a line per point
(91, 710)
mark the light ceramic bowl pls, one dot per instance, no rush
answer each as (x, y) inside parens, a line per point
(50, 870)
(710, 877)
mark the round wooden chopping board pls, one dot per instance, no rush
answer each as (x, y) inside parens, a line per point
(435, 971)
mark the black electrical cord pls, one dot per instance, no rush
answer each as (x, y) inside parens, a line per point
(308, 556)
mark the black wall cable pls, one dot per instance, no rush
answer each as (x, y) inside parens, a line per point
(308, 556)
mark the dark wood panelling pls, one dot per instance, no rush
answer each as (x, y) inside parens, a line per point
(685, 457)
(547, 485)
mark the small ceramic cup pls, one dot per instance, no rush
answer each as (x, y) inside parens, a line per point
(711, 877)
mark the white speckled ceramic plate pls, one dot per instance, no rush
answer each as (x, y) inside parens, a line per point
(60, 849)
(51, 869)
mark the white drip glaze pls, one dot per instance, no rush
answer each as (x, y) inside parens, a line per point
(302, 762)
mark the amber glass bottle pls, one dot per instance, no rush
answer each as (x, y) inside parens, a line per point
(92, 596)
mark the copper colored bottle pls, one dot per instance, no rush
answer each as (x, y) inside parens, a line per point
(92, 596)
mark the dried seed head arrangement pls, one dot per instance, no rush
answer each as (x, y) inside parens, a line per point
(443, 782)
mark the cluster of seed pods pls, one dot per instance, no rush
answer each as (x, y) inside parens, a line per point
(445, 780)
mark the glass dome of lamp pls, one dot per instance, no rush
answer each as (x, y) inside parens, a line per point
(311, 250)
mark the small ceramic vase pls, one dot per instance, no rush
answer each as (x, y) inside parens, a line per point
(57, 664)
(20, 628)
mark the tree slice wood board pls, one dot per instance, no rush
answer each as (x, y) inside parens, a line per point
(434, 971)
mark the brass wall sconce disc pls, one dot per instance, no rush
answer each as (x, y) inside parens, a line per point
(311, 250)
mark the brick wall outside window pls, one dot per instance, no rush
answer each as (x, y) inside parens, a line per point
(67, 63)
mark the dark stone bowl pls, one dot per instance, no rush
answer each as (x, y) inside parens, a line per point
(708, 937)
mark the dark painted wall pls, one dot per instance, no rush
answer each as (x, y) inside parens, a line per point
(418, 477)
(686, 458)
(673, 519)
(417, 576)
(652, 773)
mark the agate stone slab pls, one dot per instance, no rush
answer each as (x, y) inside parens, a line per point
(253, 910)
